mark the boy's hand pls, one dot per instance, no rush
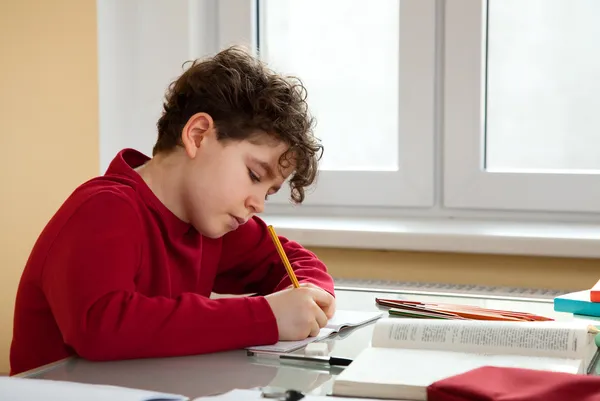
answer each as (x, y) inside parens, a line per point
(328, 309)
(300, 311)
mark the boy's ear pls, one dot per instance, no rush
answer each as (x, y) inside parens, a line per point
(195, 131)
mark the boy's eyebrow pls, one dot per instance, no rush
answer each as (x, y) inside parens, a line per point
(268, 169)
(265, 166)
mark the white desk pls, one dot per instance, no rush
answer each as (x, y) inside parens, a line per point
(201, 375)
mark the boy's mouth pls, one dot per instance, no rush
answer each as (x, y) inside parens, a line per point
(236, 221)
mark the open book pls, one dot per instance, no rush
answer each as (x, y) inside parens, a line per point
(407, 355)
(341, 320)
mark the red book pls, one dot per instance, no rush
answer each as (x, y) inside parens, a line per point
(515, 384)
(595, 292)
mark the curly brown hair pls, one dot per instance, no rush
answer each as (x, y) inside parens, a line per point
(244, 98)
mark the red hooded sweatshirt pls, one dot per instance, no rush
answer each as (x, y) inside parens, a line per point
(116, 275)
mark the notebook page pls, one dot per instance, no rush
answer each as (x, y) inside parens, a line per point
(289, 346)
(20, 389)
(341, 319)
(350, 318)
(552, 339)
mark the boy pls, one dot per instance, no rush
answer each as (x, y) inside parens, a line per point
(126, 266)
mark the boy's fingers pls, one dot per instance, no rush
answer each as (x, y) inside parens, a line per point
(325, 300)
(330, 309)
(302, 285)
(322, 297)
(315, 329)
(320, 316)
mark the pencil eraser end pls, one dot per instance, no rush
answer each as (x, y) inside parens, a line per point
(316, 349)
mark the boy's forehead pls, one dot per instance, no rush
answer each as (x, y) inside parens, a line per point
(271, 145)
(261, 138)
(276, 148)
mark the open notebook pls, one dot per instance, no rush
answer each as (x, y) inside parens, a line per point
(407, 355)
(341, 320)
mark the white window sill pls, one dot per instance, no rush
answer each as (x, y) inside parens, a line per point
(437, 235)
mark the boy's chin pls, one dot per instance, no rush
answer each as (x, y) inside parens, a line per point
(213, 234)
(215, 228)
(216, 232)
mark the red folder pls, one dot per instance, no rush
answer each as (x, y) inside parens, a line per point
(515, 384)
(449, 311)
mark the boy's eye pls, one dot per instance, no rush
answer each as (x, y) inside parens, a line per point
(256, 178)
(253, 176)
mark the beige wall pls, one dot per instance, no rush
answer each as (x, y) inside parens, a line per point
(493, 270)
(48, 125)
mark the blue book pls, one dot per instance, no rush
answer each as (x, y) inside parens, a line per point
(577, 303)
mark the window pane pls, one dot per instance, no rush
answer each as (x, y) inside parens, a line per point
(543, 81)
(346, 53)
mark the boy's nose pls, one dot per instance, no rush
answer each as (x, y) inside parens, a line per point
(255, 204)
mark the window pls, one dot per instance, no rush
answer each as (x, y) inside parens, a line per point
(374, 115)
(348, 56)
(521, 84)
(462, 108)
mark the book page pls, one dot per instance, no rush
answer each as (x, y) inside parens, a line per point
(552, 339)
(349, 318)
(406, 373)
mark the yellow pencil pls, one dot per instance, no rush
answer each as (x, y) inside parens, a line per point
(283, 257)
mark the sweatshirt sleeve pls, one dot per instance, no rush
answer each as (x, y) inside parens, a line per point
(89, 282)
(250, 263)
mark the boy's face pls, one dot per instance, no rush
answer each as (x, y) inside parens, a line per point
(226, 182)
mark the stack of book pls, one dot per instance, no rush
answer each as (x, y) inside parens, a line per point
(585, 302)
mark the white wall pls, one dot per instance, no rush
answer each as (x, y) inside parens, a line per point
(142, 45)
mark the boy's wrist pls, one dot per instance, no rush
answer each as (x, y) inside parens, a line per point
(266, 323)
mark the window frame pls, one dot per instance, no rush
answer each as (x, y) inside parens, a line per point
(412, 185)
(465, 228)
(467, 185)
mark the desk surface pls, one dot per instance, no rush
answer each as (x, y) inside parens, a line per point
(201, 375)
